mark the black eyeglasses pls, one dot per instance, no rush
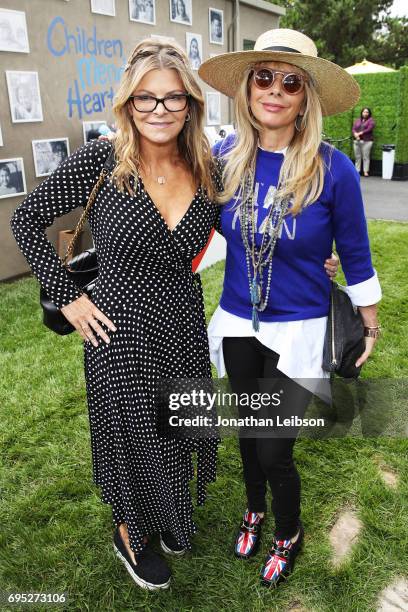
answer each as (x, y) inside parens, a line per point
(292, 82)
(147, 104)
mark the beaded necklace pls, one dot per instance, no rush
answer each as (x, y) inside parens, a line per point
(262, 257)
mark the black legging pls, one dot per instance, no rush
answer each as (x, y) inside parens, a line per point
(247, 362)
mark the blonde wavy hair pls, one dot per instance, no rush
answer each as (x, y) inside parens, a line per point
(302, 173)
(150, 54)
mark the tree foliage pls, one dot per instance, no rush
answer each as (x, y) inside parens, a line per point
(391, 44)
(347, 31)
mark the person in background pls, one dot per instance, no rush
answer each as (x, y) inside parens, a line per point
(6, 188)
(59, 153)
(26, 105)
(8, 41)
(216, 27)
(363, 140)
(194, 54)
(93, 135)
(179, 12)
(142, 10)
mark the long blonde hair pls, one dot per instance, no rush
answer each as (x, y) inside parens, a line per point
(302, 173)
(151, 54)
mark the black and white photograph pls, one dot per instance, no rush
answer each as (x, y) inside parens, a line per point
(194, 48)
(48, 154)
(91, 130)
(213, 108)
(103, 7)
(181, 11)
(13, 31)
(216, 26)
(24, 96)
(1, 137)
(143, 11)
(12, 177)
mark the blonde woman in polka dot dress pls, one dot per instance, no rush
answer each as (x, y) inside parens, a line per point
(146, 317)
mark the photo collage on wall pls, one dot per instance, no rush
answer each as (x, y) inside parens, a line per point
(24, 98)
(24, 91)
(181, 11)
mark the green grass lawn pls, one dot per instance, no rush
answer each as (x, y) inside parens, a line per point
(56, 535)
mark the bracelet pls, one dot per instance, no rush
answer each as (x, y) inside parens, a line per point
(372, 332)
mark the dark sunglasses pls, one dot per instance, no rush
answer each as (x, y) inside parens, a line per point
(292, 82)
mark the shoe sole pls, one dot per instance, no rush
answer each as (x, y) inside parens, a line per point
(139, 581)
(169, 551)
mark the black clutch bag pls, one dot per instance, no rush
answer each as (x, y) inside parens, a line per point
(82, 269)
(344, 340)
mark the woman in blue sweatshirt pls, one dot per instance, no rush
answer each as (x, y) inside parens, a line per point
(287, 197)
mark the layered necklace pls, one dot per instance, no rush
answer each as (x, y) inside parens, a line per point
(257, 259)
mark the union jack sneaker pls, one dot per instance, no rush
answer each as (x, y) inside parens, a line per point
(280, 560)
(249, 535)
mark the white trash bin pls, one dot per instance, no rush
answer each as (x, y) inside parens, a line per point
(388, 157)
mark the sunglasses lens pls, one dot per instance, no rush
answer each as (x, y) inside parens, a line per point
(292, 83)
(263, 78)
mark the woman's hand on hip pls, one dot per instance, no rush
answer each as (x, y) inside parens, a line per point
(332, 265)
(84, 316)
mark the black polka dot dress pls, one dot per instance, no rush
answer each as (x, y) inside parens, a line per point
(146, 287)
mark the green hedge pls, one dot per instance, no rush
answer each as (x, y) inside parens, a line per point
(338, 127)
(386, 93)
(402, 118)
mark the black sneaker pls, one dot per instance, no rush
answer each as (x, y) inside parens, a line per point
(151, 571)
(169, 544)
(280, 559)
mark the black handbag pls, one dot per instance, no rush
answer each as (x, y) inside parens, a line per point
(83, 269)
(344, 341)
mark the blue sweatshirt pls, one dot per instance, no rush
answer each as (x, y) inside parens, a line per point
(300, 287)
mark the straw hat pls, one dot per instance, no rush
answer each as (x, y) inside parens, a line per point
(337, 90)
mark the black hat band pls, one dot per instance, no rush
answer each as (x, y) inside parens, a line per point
(277, 48)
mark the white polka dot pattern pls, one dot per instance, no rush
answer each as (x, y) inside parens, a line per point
(146, 287)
